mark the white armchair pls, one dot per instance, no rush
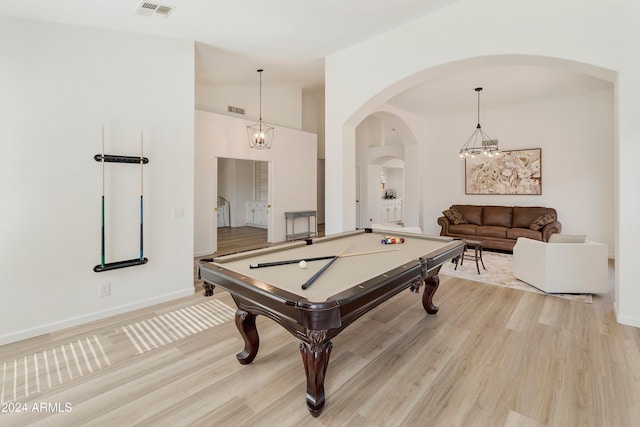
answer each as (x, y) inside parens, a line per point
(562, 267)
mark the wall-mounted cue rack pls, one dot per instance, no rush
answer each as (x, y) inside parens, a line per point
(120, 159)
(107, 158)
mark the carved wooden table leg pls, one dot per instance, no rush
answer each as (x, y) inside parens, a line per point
(430, 287)
(315, 357)
(246, 323)
(208, 289)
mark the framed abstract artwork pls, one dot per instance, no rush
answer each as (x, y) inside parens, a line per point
(513, 172)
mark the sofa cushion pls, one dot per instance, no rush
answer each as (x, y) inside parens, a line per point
(455, 216)
(541, 221)
(497, 215)
(491, 231)
(468, 229)
(523, 216)
(514, 233)
(472, 213)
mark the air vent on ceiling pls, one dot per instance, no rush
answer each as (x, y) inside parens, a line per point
(237, 110)
(154, 9)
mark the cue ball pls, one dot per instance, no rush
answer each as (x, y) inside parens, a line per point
(303, 264)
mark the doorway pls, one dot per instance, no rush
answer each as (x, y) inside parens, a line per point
(243, 185)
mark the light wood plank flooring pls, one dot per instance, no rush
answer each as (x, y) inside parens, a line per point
(491, 357)
(232, 239)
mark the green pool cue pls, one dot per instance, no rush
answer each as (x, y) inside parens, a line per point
(102, 225)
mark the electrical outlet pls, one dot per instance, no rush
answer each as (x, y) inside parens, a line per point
(177, 213)
(104, 290)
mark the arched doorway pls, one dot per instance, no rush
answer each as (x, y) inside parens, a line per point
(384, 146)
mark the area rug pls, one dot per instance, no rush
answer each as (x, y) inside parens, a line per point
(499, 272)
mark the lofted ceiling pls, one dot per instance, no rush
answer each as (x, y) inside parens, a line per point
(503, 85)
(288, 38)
(291, 38)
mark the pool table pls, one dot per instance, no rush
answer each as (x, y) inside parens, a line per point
(366, 273)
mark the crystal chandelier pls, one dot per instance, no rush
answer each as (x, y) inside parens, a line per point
(260, 133)
(479, 142)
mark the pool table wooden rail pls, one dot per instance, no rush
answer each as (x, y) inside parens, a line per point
(316, 323)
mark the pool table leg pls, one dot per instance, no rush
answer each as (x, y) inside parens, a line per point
(246, 323)
(315, 356)
(208, 289)
(430, 287)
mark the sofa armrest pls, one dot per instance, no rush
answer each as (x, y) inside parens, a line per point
(444, 223)
(549, 229)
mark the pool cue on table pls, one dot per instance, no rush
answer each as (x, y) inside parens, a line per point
(288, 261)
(295, 261)
(313, 278)
(102, 185)
(369, 252)
(141, 192)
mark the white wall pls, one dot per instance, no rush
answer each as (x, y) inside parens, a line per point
(313, 121)
(372, 136)
(235, 183)
(360, 78)
(292, 172)
(321, 191)
(281, 106)
(313, 115)
(576, 135)
(60, 84)
(395, 179)
(244, 178)
(227, 186)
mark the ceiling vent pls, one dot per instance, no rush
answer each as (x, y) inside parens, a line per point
(236, 110)
(154, 9)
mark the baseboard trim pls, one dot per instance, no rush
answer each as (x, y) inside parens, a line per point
(626, 320)
(90, 317)
(203, 253)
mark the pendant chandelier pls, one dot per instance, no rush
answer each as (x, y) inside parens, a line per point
(479, 142)
(260, 133)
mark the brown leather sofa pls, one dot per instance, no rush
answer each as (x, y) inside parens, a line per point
(498, 227)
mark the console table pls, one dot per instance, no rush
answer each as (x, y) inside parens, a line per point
(291, 217)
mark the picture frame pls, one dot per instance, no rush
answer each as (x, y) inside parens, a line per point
(512, 172)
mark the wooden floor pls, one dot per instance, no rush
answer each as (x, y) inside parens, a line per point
(231, 239)
(234, 239)
(492, 356)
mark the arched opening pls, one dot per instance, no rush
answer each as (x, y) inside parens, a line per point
(564, 107)
(383, 141)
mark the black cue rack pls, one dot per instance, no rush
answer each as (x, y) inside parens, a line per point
(120, 264)
(109, 158)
